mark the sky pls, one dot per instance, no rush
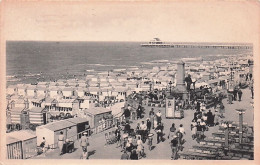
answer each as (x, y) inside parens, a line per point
(132, 21)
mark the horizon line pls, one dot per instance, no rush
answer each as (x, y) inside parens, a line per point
(247, 43)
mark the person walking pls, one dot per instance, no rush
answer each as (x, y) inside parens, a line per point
(84, 142)
(118, 136)
(239, 94)
(61, 142)
(143, 129)
(42, 145)
(221, 110)
(158, 130)
(127, 114)
(159, 116)
(235, 94)
(151, 116)
(252, 91)
(148, 124)
(230, 98)
(174, 146)
(139, 112)
(172, 131)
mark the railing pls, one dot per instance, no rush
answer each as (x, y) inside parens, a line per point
(102, 127)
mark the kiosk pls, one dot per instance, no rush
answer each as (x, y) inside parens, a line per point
(171, 111)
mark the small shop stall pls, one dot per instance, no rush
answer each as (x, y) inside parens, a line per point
(171, 110)
(21, 144)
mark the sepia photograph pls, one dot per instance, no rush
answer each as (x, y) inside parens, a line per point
(129, 80)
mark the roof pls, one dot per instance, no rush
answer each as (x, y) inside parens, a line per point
(97, 110)
(36, 109)
(38, 100)
(116, 108)
(20, 135)
(58, 125)
(31, 87)
(67, 100)
(87, 98)
(10, 140)
(19, 101)
(77, 120)
(49, 100)
(17, 109)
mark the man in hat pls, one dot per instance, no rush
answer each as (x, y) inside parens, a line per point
(148, 124)
(174, 146)
(239, 94)
(151, 116)
(159, 116)
(158, 130)
(127, 113)
(143, 129)
(127, 127)
(84, 142)
(61, 142)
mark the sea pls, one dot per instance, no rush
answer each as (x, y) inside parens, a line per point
(34, 61)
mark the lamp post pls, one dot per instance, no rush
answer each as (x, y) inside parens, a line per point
(150, 86)
(240, 112)
(170, 85)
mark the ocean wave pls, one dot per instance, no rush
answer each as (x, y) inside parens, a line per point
(160, 61)
(100, 65)
(147, 63)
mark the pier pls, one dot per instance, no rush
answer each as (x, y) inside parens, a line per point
(199, 45)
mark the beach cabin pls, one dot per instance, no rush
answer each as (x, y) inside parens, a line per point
(67, 91)
(40, 90)
(96, 114)
(21, 90)
(20, 103)
(21, 144)
(122, 79)
(37, 102)
(94, 90)
(55, 92)
(51, 132)
(50, 104)
(82, 125)
(30, 90)
(68, 106)
(11, 89)
(38, 115)
(15, 114)
(80, 91)
(87, 102)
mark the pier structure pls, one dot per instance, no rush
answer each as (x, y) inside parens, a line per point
(199, 45)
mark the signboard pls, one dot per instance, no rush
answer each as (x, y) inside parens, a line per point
(170, 108)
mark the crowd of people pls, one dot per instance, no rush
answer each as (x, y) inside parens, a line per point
(132, 138)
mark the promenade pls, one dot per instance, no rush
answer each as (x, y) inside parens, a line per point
(99, 150)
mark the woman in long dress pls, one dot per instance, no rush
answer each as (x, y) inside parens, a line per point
(61, 142)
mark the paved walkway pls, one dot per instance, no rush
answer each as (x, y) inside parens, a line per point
(98, 149)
